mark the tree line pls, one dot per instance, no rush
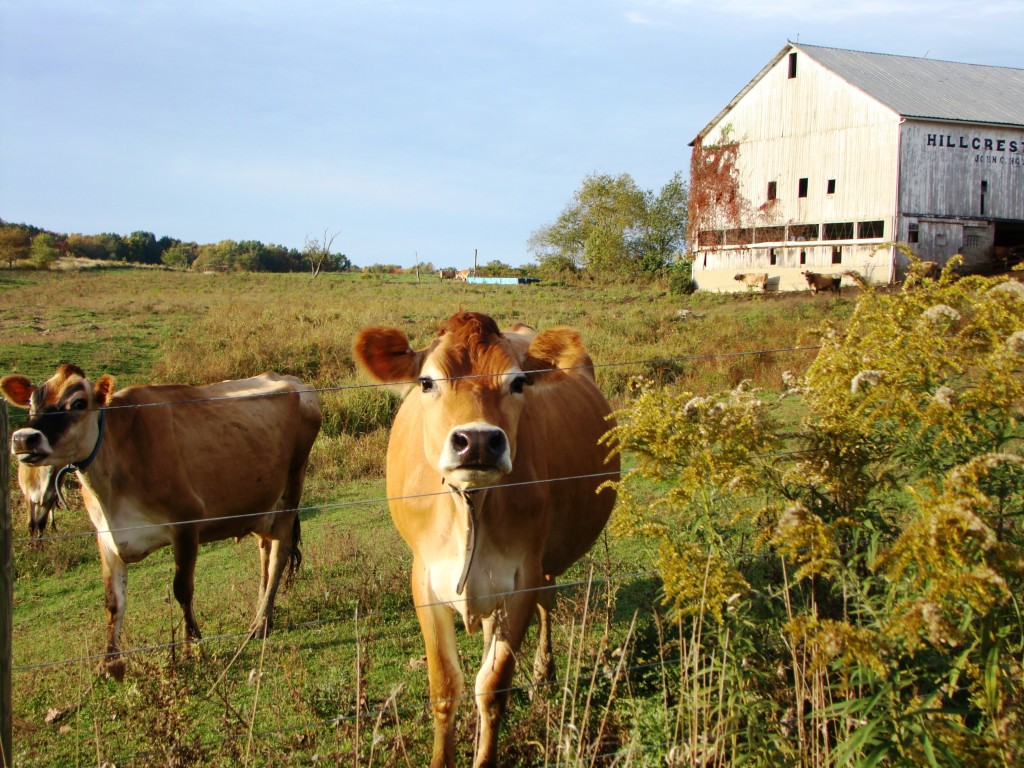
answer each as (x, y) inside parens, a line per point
(612, 228)
(39, 248)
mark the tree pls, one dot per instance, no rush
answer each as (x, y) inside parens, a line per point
(612, 226)
(86, 247)
(180, 255)
(142, 248)
(317, 252)
(15, 242)
(214, 257)
(114, 245)
(663, 231)
(43, 251)
(495, 268)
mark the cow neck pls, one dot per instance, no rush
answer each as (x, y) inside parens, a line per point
(467, 497)
(83, 465)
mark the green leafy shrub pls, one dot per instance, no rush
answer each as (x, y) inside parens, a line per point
(680, 277)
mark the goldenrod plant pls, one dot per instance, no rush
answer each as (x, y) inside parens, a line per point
(854, 583)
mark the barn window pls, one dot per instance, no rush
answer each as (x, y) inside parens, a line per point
(772, 189)
(912, 232)
(984, 189)
(837, 254)
(792, 65)
(803, 257)
(842, 230)
(867, 230)
(769, 234)
(773, 257)
(831, 189)
(801, 232)
(802, 188)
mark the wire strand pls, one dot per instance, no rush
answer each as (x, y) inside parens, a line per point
(413, 382)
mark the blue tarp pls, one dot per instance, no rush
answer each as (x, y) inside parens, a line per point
(502, 280)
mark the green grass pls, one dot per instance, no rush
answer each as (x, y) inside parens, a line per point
(341, 676)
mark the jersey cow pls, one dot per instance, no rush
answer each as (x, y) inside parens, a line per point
(38, 486)
(175, 465)
(753, 279)
(493, 471)
(818, 282)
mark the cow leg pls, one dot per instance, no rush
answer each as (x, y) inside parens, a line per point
(274, 555)
(115, 586)
(544, 660)
(443, 668)
(186, 551)
(495, 676)
(264, 549)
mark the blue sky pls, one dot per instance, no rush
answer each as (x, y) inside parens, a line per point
(412, 128)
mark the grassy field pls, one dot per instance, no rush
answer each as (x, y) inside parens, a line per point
(342, 679)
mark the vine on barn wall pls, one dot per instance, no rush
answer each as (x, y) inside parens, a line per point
(715, 199)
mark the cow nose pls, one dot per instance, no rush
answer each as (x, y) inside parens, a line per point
(26, 441)
(478, 447)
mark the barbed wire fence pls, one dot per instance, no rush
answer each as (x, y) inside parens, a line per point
(8, 541)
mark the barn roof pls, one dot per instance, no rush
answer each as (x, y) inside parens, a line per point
(930, 88)
(915, 87)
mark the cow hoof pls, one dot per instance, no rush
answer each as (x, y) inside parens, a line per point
(112, 670)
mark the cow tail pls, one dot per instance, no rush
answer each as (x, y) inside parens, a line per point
(296, 557)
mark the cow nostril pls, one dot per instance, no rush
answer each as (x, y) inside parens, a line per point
(460, 442)
(497, 443)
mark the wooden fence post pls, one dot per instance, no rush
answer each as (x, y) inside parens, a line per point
(6, 595)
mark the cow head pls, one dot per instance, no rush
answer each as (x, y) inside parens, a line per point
(472, 383)
(63, 422)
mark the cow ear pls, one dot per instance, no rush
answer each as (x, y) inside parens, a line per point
(17, 390)
(104, 389)
(555, 352)
(385, 354)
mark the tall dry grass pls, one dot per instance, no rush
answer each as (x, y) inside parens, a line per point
(343, 685)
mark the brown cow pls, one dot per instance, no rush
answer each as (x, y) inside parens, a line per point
(753, 279)
(175, 465)
(38, 486)
(446, 274)
(496, 418)
(819, 282)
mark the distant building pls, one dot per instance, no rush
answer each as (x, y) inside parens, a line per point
(827, 157)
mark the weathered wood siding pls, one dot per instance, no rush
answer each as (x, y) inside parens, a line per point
(943, 166)
(814, 126)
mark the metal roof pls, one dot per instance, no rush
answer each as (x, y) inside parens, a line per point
(915, 87)
(930, 88)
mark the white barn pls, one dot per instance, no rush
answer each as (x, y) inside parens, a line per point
(828, 157)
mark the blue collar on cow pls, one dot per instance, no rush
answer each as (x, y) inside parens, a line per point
(82, 465)
(470, 536)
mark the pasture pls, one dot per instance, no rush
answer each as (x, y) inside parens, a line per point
(342, 680)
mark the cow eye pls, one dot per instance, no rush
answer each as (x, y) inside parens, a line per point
(518, 384)
(78, 405)
(426, 384)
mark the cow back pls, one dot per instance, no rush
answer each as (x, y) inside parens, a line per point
(206, 452)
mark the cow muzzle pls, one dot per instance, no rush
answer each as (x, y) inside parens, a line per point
(30, 446)
(475, 455)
